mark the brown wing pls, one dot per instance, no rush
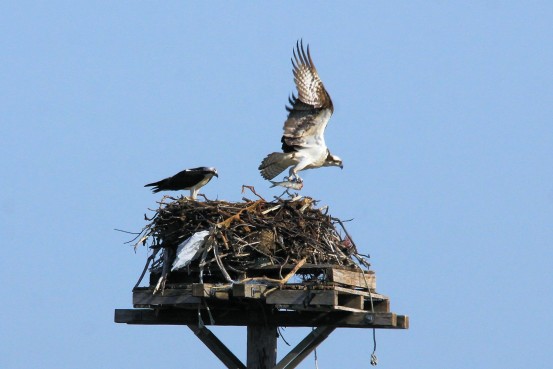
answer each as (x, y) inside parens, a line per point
(311, 90)
(310, 111)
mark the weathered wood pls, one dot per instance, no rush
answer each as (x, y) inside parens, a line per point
(201, 289)
(326, 296)
(375, 296)
(302, 297)
(224, 317)
(143, 297)
(262, 347)
(217, 347)
(402, 322)
(252, 291)
(379, 319)
(304, 348)
(365, 280)
(319, 298)
(345, 308)
(209, 290)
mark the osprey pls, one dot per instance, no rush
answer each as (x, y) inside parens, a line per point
(303, 143)
(189, 179)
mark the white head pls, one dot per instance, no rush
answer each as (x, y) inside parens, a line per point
(333, 161)
(209, 170)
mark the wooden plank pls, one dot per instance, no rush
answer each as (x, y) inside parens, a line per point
(210, 290)
(221, 294)
(217, 347)
(302, 297)
(375, 296)
(201, 289)
(381, 319)
(402, 322)
(252, 291)
(145, 297)
(365, 280)
(224, 317)
(345, 308)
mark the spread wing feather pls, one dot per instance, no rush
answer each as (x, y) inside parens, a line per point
(310, 111)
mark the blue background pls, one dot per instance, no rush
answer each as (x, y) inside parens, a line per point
(443, 117)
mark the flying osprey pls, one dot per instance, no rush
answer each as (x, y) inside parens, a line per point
(303, 142)
(189, 179)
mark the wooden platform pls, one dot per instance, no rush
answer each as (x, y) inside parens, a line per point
(324, 297)
(279, 318)
(334, 297)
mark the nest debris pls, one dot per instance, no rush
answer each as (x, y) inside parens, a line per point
(246, 235)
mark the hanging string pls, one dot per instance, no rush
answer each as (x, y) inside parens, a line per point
(279, 334)
(374, 359)
(315, 352)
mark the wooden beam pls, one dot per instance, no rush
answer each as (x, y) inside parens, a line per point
(262, 347)
(302, 297)
(402, 321)
(201, 289)
(304, 348)
(191, 297)
(252, 291)
(365, 280)
(144, 297)
(375, 296)
(224, 317)
(217, 347)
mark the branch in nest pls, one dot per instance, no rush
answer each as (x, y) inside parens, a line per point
(252, 189)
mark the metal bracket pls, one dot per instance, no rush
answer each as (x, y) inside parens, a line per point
(369, 318)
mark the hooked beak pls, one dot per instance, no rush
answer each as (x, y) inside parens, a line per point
(341, 166)
(216, 174)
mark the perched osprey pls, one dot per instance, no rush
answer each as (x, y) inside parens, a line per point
(189, 179)
(303, 142)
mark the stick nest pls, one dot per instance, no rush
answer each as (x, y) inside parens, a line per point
(249, 234)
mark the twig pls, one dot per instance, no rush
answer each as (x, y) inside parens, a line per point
(252, 189)
(150, 259)
(278, 281)
(218, 260)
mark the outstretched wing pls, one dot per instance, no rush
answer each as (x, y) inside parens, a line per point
(311, 110)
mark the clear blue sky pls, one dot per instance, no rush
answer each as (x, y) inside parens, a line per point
(443, 117)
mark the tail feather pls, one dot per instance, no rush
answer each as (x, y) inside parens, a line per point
(156, 186)
(274, 164)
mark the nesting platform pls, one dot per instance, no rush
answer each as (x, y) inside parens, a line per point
(339, 298)
(264, 265)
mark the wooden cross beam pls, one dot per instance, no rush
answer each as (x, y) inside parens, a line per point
(217, 347)
(262, 347)
(304, 348)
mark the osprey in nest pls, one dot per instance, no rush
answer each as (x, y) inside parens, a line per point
(189, 179)
(303, 142)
